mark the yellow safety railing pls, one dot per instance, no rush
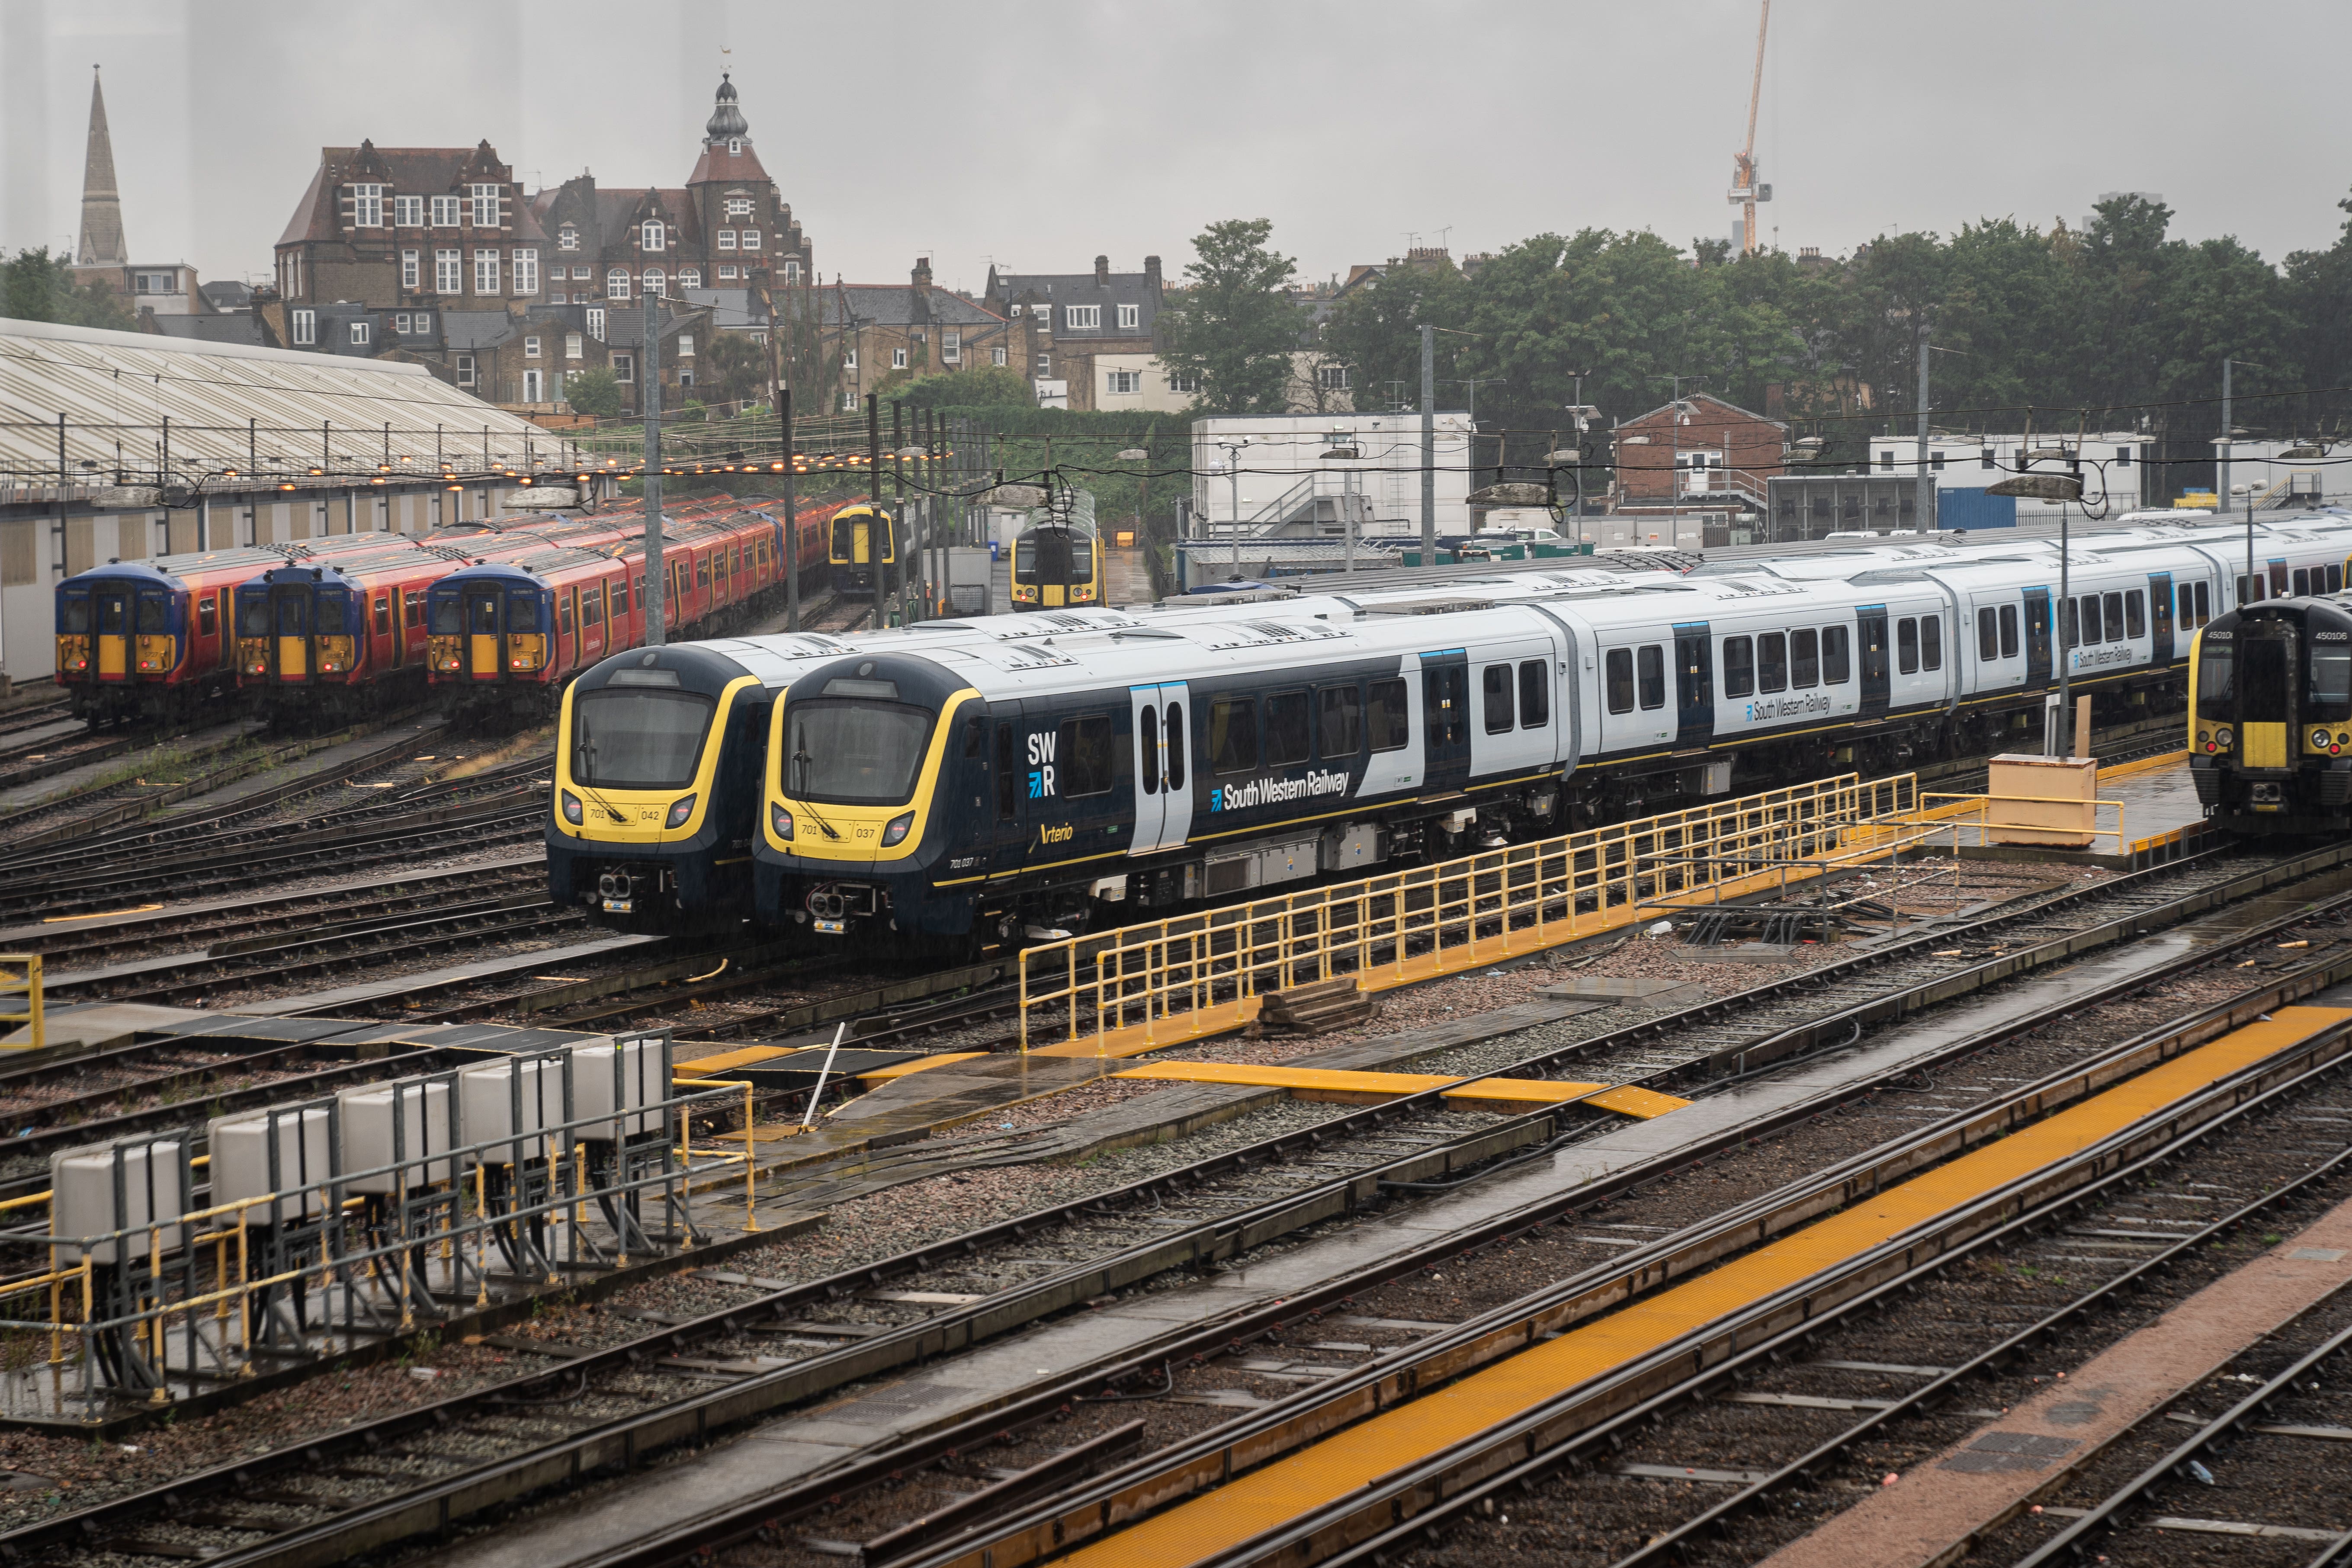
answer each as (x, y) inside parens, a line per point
(20, 976)
(1988, 815)
(1162, 982)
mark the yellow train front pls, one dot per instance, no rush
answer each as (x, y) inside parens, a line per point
(1055, 565)
(2269, 729)
(862, 545)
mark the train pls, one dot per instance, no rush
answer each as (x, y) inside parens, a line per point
(862, 545)
(2270, 720)
(1056, 564)
(974, 785)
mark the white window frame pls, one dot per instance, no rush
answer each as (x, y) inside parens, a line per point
(616, 284)
(596, 322)
(526, 271)
(412, 269)
(445, 212)
(624, 368)
(360, 333)
(574, 348)
(449, 271)
(751, 239)
(849, 359)
(1081, 318)
(1121, 382)
(1130, 317)
(684, 348)
(726, 239)
(793, 272)
(485, 196)
(739, 207)
(567, 239)
(304, 326)
(465, 366)
(486, 272)
(951, 347)
(400, 322)
(898, 359)
(655, 281)
(367, 205)
(1331, 377)
(1182, 383)
(652, 235)
(408, 212)
(533, 385)
(690, 277)
(424, 321)
(997, 357)
(1046, 364)
(734, 143)
(726, 272)
(530, 348)
(849, 399)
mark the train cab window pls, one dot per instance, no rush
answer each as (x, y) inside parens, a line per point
(1988, 634)
(73, 612)
(1535, 694)
(522, 613)
(2134, 614)
(1621, 680)
(448, 615)
(111, 615)
(207, 617)
(2302, 581)
(1392, 716)
(1288, 729)
(1089, 754)
(2112, 605)
(1232, 734)
(483, 617)
(2217, 667)
(1339, 722)
(2327, 694)
(1804, 659)
(1738, 667)
(154, 617)
(1653, 668)
(1906, 645)
(1931, 642)
(1837, 656)
(1008, 781)
(1495, 694)
(2264, 699)
(252, 617)
(292, 614)
(383, 614)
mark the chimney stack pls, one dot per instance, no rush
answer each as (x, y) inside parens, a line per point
(922, 276)
(1152, 273)
(1102, 271)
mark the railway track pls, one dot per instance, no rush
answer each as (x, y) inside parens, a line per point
(592, 1409)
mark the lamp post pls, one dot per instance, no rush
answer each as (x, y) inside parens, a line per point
(1232, 450)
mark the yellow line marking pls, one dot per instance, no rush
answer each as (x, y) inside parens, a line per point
(1330, 1469)
(920, 1064)
(1372, 1087)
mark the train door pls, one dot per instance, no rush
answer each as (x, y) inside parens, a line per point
(1008, 841)
(1694, 685)
(485, 655)
(1445, 714)
(113, 619)
(1163, 792)
(1870, 635)
(290, 630)
(2037, 637)
(2160, 621)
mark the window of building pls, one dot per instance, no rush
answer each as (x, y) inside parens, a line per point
(1887, 459)
(359, 332)
(625, 367)
(996, 356)
(304, 324)
(739, 207)
(573, 345)
(526, 271)
(1129, 317)
(751, 239)
(445, 212)
(530, 348)
(567, 238)
(849, 359)
(650, 234)
(584, 273)
(1934, 459)
(424, 321)
(1077, 318)
(686, 346)
(690, 277)
(725, 273)
(1044, 314)
(448, 274)
(408, 212)
(596, 322)
(412, 269)
(791, 272)
(848, 398)
(400, 322)
(616, 285)
(367, 206)
(734, 143)
(1984, 458)
(1044, 365)
(486, 204)
(465, 369)
(1123, 381)
(531, 383)
(950, 348)
(154, 283)
(656, 282)
(1184, 380)
(486, 272)
(898, 359)
(1331, 377)
(726, 239)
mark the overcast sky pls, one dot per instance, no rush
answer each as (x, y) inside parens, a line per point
(1040, 134)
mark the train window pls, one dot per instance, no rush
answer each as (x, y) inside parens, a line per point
(2113, 607)
(2336, 579)
(1931, 642)
(1175, 745)
(1147, 739)
(2302, 581)
(1341, 721)
(447, 615)
(2217, 666)
(1738, 667)
(111, 615)
(1088, 756)
(2188, 605)
(2328, 692)
(1837, 656)
(2134, 614)
(1288, 729)
(562, 614)
(1494, 691)
(620, 598)
(154, 617)
(1906, 645)
(2244, 596)
(1988, 634)
(383, 614)
(291, 615)
(1653, 664)
(1621, 680)
(975, 739)
(207, 617)
(2204, 603)
(2264, 701)
(702, 571)
(1391, 715)
(73, 612)
(1008, 781)
(523, 612)
(1535, 694)
(1804, 659)
(1232, 734)
(592, 607)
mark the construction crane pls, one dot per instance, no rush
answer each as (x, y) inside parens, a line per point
(1744, 191)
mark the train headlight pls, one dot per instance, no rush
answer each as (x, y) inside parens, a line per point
(2223, 736)
(781, 821)
(679, 810)
(2204, 737)
(2319, 736)
(896, 828)
(572, 810)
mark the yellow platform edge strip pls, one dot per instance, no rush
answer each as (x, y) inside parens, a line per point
(1349, 1459)
(1626, 1099)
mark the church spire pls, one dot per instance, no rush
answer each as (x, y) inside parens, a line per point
(101, 205)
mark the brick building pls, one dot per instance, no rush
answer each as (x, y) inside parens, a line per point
(912, 329)
(1701, 447)
(1086, 336)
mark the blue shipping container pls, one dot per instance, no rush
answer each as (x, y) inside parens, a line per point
(1974, 509)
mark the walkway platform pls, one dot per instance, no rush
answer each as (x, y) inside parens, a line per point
(1505, 1094)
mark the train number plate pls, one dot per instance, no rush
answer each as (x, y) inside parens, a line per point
(834, 927)
(616, 906)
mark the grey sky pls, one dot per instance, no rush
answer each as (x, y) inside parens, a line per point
(1041, 135)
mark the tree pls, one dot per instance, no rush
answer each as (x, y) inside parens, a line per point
(985, 386)
(734, 369)
(38, 287)
(1235, 327)
(595, 392)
